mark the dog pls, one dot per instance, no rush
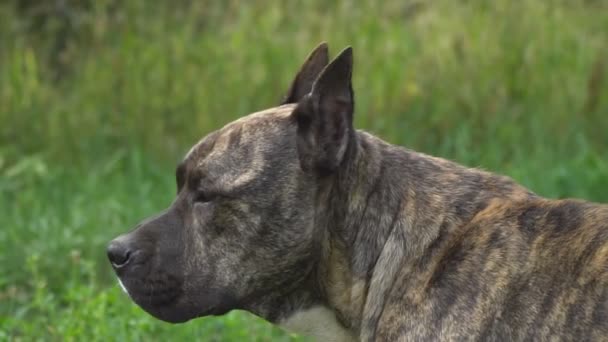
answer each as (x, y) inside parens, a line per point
(295, 216)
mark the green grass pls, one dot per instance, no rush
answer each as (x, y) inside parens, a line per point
(90, 133)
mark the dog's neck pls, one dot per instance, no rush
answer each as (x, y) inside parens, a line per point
(332, 298)
(304, 310)
(360, 225)
(388, 210)
(361, 210)
(379, 215)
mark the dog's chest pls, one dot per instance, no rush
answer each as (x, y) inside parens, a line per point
(318, 322)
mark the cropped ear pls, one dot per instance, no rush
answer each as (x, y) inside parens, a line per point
(309, 71)
(325, 117)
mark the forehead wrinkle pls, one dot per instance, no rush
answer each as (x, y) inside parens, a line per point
(202, 146)
(254, 169)
(236, 154)
(220, 146)
(244, 164)
(228, 138)
(267, 116)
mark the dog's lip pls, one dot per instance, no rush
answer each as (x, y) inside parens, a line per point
(123, 287)
(147, 291)
(175, 311)
(118, 267)
(168, 311)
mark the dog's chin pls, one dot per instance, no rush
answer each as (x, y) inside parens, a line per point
(172, 306)
(180, 313)
(171, 313)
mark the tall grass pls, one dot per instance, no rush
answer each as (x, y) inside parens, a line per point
(161, 75)
(99, 99)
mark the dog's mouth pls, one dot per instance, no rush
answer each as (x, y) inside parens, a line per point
(164, 298)
(160, 296)
(157, 295)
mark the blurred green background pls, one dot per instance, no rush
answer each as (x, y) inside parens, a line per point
(100, 99)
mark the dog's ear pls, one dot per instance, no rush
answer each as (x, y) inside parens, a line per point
(309, 71)
(325, 117)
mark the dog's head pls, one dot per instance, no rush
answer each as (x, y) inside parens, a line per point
(242, 227)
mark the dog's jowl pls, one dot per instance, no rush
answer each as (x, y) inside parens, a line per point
(292, 214)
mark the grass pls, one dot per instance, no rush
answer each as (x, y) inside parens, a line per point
(96, 109)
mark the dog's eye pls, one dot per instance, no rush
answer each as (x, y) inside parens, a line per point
(203, 197)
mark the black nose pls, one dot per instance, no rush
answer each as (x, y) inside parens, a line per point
(119, 254)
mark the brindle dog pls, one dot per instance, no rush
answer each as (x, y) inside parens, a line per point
(292, 214)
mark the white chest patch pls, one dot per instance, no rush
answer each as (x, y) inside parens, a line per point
(318, 322)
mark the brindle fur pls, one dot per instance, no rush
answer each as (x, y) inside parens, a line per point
(292, 208)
